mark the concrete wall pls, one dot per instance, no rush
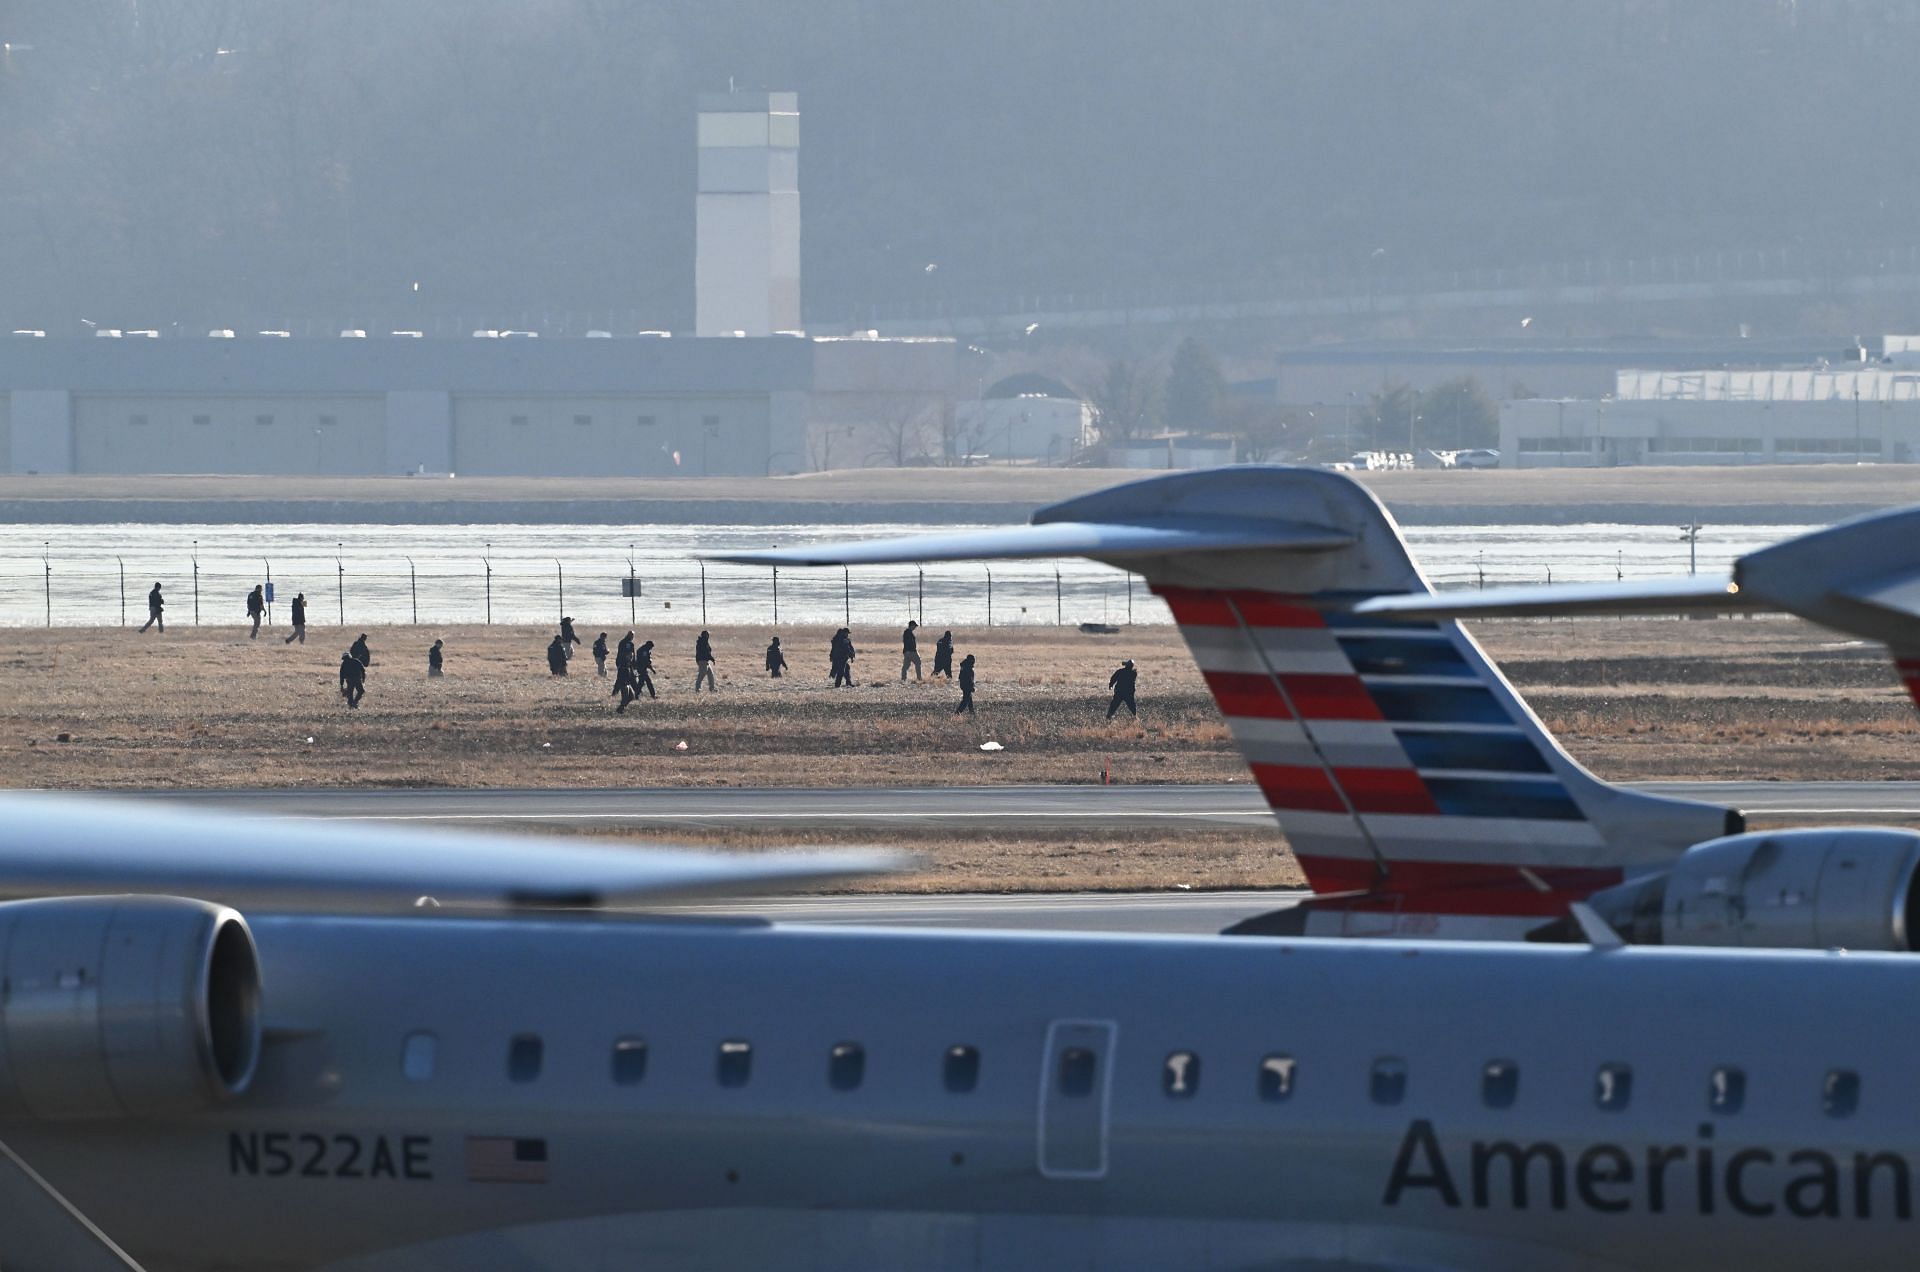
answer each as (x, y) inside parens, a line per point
(158, 433)
(545, 436)
(419, 431)
(41, 431)
(1586, 434)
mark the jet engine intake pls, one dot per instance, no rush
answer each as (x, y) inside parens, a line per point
(1782, 889)
(124, 1006)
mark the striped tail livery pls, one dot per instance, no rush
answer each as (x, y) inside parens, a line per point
(1417, 790)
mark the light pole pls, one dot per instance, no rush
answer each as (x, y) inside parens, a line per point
(1691, 534)
(46, 565)
(632, 591)
(413, 588)
(196, 583)
(487, 560)
(1856, 423)
(339, 584)
(989, 570)
(123, 591)
(269, 590)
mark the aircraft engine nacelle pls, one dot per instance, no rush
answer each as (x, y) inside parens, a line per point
(1783, 889)
(124, 1006)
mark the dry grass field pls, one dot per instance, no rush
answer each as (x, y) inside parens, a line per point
(90, 708)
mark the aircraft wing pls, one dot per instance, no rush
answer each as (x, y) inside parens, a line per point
(59, 846)
(1105, 541)
(1561, 600)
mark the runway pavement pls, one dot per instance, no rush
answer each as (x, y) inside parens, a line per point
(981, 807)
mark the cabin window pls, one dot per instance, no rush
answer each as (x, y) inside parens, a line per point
(264, 421)
(1499, 1084)
(1613, 1086)
(1388, 1083)
(1726, 1089)
(417, 1056)
(524, 1056)
(644, 421)
(846, 1066)
(961, 1068)
(1840, 1093)
(583, 421)
(203, 420)
(1180, 1077)
(712, 424)
(736, 1062)
(517, 421)
(1276, 1078)
(629, 1061)
(1079, 1067)
(137, 421)
(328, 421)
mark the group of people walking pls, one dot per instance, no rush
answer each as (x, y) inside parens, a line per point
(633, 663)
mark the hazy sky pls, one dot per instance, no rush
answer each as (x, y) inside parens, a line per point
(212, 160)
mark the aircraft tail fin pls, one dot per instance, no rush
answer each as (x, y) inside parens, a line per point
(1407, 773)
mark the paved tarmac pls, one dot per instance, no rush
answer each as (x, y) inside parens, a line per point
(983, 807)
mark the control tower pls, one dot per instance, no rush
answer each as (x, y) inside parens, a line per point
(746, 270)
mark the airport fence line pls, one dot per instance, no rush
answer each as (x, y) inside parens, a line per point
(59, 590)
(54, 591)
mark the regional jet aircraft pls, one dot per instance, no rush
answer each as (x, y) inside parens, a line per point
(374, 1051)
(1419, 793)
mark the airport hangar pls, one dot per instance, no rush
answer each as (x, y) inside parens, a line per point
(635, 406)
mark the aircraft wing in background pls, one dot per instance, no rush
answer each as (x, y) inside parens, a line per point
(1147, 536)
(61, 846)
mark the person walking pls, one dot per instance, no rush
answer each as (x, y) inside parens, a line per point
(776, 659)
(567, 639)
(1121, 682)
(966, 686)
(703, 659)
(943, 655)
(557, 656)
(256, 608)
(600, 653)
(623, 686)
(909, 652)
(643, 670)
(299, 631)
(435, 662)
(360, 652)
(840, 656)
(353, 679)
(156, 604)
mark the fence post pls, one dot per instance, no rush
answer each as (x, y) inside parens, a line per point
(196, 582)
(846, 595)
(487, 560)
(1056, 596)
(1129, 598)
(703, 594)
(340, 583)
(123, 592)
(776, 596)
(989, 570)
(560, 585)
(631, 604)
(46, 549)
(413, 588)
(920, 596)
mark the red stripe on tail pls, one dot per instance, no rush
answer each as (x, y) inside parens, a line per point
(1247, 695)
(1453, 887)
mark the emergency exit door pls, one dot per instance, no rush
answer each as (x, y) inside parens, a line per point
(1076, 1081)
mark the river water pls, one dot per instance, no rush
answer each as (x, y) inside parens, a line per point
(378, 574)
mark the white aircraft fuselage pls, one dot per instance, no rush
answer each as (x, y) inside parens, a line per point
(598, 1093)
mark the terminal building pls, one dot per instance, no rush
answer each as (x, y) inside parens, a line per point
(747, 394)
(1864, 409)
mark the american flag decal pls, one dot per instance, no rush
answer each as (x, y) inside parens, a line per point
(503, 1159)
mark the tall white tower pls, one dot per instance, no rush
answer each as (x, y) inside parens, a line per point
(746, 266)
